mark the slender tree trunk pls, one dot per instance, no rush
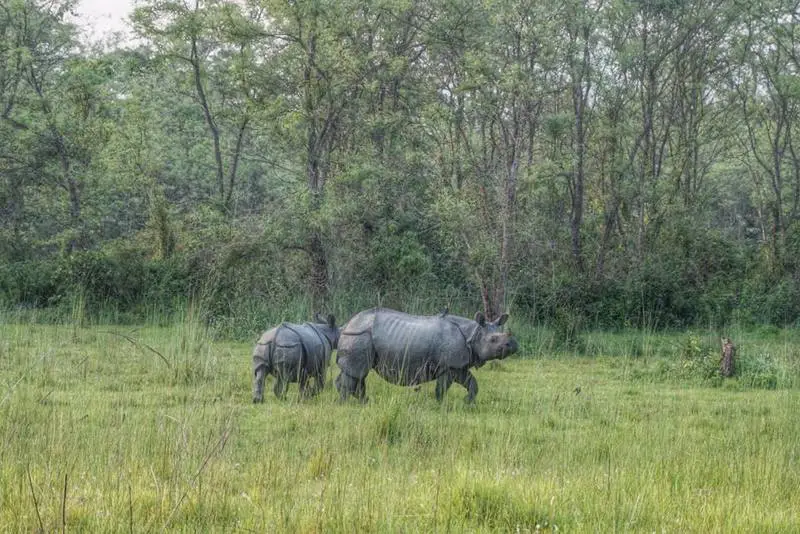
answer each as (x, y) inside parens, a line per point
(508, 213)
(319, 270)
(576, 219)
(211, 123)
(235, 163)
(72, 185)
(316, 146)
(609, 218)
(581, 84)
(77, 240)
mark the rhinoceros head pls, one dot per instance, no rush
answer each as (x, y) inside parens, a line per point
(327, 325)
(490, 342)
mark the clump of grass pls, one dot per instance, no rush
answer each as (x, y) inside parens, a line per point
(760, 370)
(319, 464)
(390, 423)
(495, 365)
(697, 359)
(568, 330)
(502, 506)
(190, 351)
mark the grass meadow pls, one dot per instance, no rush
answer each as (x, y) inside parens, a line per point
(121, 429)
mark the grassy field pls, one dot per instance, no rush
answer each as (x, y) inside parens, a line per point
(112, 429)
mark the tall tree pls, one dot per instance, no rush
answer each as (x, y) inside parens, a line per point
(492, 90)
(767, 82)
(209, 42)
(52, 103)
(581, 26)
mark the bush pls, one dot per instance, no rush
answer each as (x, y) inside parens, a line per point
(126, 283)
(770, 301)
(698, 360)
(31, 284)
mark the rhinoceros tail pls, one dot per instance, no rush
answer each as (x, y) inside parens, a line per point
(262, 356)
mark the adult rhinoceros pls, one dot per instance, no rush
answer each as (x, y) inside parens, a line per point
(410, 349)
(294, 353)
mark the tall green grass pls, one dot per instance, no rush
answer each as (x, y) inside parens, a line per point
(130, 429)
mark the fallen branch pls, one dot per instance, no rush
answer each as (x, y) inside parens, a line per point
(218, 447)
(138, 344)
(35, 502)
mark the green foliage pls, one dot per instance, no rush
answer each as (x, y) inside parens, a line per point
(434, 149)
(698, 360)
(127, 285)
(770, 301)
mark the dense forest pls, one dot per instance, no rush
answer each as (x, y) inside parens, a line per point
(587, 162)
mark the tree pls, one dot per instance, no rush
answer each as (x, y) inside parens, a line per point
(492, 92)
(767, 83)
(210, 43)
(52, 107)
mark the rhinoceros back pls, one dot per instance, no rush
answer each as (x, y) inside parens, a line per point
(413, 349)
(404, 349)
(317, 348)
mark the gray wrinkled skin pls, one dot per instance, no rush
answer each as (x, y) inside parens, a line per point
(294, 353)
(411, 349)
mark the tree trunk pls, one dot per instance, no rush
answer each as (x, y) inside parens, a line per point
(211, 123)
(316, 153)
(319, 271)
(77, 240)
(506, 242)
(727, 362)
(580, 94)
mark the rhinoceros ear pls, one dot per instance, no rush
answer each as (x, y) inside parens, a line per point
(480, 318)
(502, 320)
(331, 321)
(318, 318)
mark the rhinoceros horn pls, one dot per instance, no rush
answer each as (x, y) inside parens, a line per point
(481, 319)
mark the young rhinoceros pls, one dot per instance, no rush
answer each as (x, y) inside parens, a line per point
(294, 353)
(410, 349)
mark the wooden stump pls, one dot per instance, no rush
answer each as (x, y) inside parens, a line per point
(727, 364)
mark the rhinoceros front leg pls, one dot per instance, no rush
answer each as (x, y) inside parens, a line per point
(258, 385)
(443, 384)
(463, 377)
(348, 385)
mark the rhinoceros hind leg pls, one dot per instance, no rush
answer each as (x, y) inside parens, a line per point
(311, 389)
(280, 387)
(303, 385)
(319, 383)
(258, 385)
(361, 390)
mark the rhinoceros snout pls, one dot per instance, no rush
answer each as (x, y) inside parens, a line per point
(510, 347)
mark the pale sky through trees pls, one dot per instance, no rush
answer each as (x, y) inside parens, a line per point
(101, 17)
